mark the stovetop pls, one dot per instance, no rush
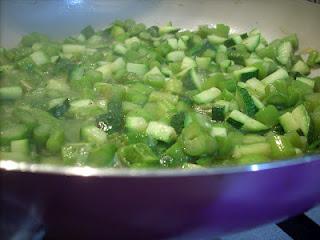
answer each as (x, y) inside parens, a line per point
(305, 226)
(302, 227)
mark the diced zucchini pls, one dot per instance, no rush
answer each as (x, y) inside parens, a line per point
(230, 42)
(252, 42)
(197, 81)
(118, 64)
(174, 86)
(301, 67)
(15, 156)
(139, 69)
(157, 96)
(302, 118)
(268, 115)
(60, 109)
(187, 63)
(58, 85)
(288, 122)
(113, 120)
(207, 95)
(80, 104)
(244, 35)
(102, 156)
(218, 113)
(174, 156)
(256, 86)
(246, 73)
(277, 75)
(241, 121)
(55, 141)
(252, 159)
(54, 102)
(168, 28)
(260, 46)
(75, 153)
(215, 39)
(263, 149)
(237, 38)
(285, 51)
(299, 119)
(130, 42)
(191, 166)
(106, 70)
(161, 132)
(182, 73)
(41, 134)
(296, 140)
(221, 55)
(281, 147)
(253, 32)
(196, 142)
(257, 102)
(181, 44)
(93, 134)
(136, 123)
(173, 43)
(10, 93)
(14, 132)
(39, 58)
(20, 146)
(313, 58)
(218, 132)
(225, 64)
(136, 153)
(73, 48)
(177, 121)
(253, 138)
(26, 118)
(132, 96)
(120, 49)
(175, 56)
(293, 39)
(251, 61)
(83, 108)
(203, 62)
(154, 71)
(265, 67)
(306, 81)
(246, 102)
(129, 106)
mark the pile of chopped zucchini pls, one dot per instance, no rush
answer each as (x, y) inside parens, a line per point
(134, 96)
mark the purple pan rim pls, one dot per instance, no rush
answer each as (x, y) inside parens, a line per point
(9, 165)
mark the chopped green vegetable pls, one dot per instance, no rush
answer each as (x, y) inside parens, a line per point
(161, 132)
(197, 142)
(136, 153)
(112, 121)
(75, 153)
(281, 147)
(268, 115)
(60, 109)
(158, 97)
(10, 93)
(218, 113)
(102, 156)
(246, 102)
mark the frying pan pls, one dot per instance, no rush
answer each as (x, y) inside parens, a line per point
(88, 203)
